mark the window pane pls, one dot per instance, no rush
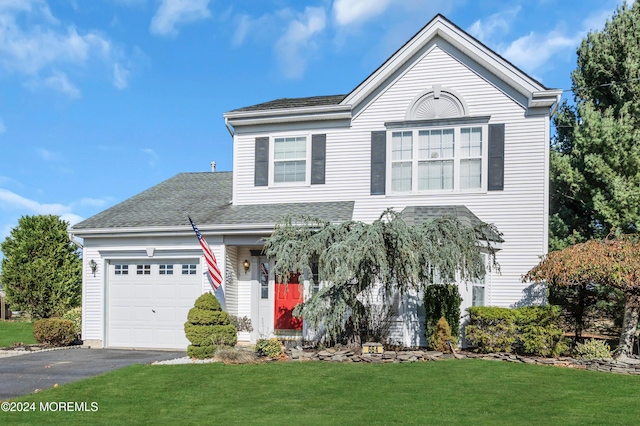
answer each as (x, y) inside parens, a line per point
(264, 280)
(290, 148)
(435, 175)
(471, 142)
(401, 146)
(470, 174)
(477, 298)
(290, 171)
(401, 177)
(433, 144)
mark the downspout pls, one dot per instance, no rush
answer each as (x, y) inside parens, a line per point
(555, 106)
(229, 128)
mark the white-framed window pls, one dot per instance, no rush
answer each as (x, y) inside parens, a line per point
(166, 269)
(121, 270)
(290, 160)
(143, 269)
(189, 269)
(443, 158)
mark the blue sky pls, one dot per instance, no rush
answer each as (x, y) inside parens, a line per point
(102, 99)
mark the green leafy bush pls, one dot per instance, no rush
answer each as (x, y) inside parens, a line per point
(268, 347)
(593, 349)
(534, 330)
(442, 300)
(491, 329)
(54, 331)
(441, 336)
(208, 327)
(539, 332)
(75, 316)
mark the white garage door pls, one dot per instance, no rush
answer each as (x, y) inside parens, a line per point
(149, 302)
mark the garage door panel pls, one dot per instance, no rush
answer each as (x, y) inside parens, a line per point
(132, 300)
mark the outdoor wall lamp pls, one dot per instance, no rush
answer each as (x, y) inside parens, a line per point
(246, 266)
(94, 266)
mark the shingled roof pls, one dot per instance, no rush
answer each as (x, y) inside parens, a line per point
(286, 103)
(206, 197)
(415, 215)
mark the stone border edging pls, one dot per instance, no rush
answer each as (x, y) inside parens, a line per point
(6, 353)
(631, 366)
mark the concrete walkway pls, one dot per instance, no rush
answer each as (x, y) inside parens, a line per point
(22, 375)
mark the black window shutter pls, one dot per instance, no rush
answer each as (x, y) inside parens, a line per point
(261, 175)
(318, 158)
(495, 180)
(378, 162)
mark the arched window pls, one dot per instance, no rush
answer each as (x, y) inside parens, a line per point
(436, 103)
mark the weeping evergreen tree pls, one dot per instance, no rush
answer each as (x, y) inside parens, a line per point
(356, 261)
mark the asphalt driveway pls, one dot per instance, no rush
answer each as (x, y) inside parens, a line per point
(23, 374)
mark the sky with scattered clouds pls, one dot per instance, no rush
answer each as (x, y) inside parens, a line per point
(102, 99)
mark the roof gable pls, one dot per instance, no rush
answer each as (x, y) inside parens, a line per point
(444, 32)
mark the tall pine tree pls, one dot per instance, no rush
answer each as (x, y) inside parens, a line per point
(595, 156)
(41, 268)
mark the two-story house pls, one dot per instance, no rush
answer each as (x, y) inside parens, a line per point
(444, 126)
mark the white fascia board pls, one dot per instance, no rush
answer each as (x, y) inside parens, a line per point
(288, 115)
(463, 42)
(545, 98)
(173, 230)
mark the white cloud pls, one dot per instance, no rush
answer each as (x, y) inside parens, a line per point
(11, 200)
(534, 51)
(49, 156)
(59, 81)
(347, 12)
(484, 30)
(120, 76)
(3, 128)
(153, 157)
(172, 13)
(297, 41)
(33, 43)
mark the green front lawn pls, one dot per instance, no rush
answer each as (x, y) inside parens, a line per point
(16, 332)
(445, 392)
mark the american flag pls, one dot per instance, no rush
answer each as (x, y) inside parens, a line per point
(209, 257)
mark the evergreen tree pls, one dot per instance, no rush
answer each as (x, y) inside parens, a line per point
(359, 262)
(41, 268)
(595, 156)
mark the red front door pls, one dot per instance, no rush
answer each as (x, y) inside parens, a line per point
(287, 297)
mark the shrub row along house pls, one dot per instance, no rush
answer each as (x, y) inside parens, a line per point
(444, 126)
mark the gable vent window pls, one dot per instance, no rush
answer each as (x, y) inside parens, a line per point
(143, 269)
(121, 270)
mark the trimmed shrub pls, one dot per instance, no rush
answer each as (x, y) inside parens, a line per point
(54, 331)
(201, 352)
(208, 328)
(442, 300)
(593, 349)
(268, 347)
(208, 302)
(203, 317)
(441, 336)
(75, 316)
(539, 332)
(491, 329)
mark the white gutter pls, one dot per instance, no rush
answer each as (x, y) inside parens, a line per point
(229, 128)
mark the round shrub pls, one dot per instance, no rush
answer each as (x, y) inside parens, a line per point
(593, 349)
(208, 302)
(75, 316)
(208, 327)
(54, 331)
(203, 316)
(268, 347)
(491, 329)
